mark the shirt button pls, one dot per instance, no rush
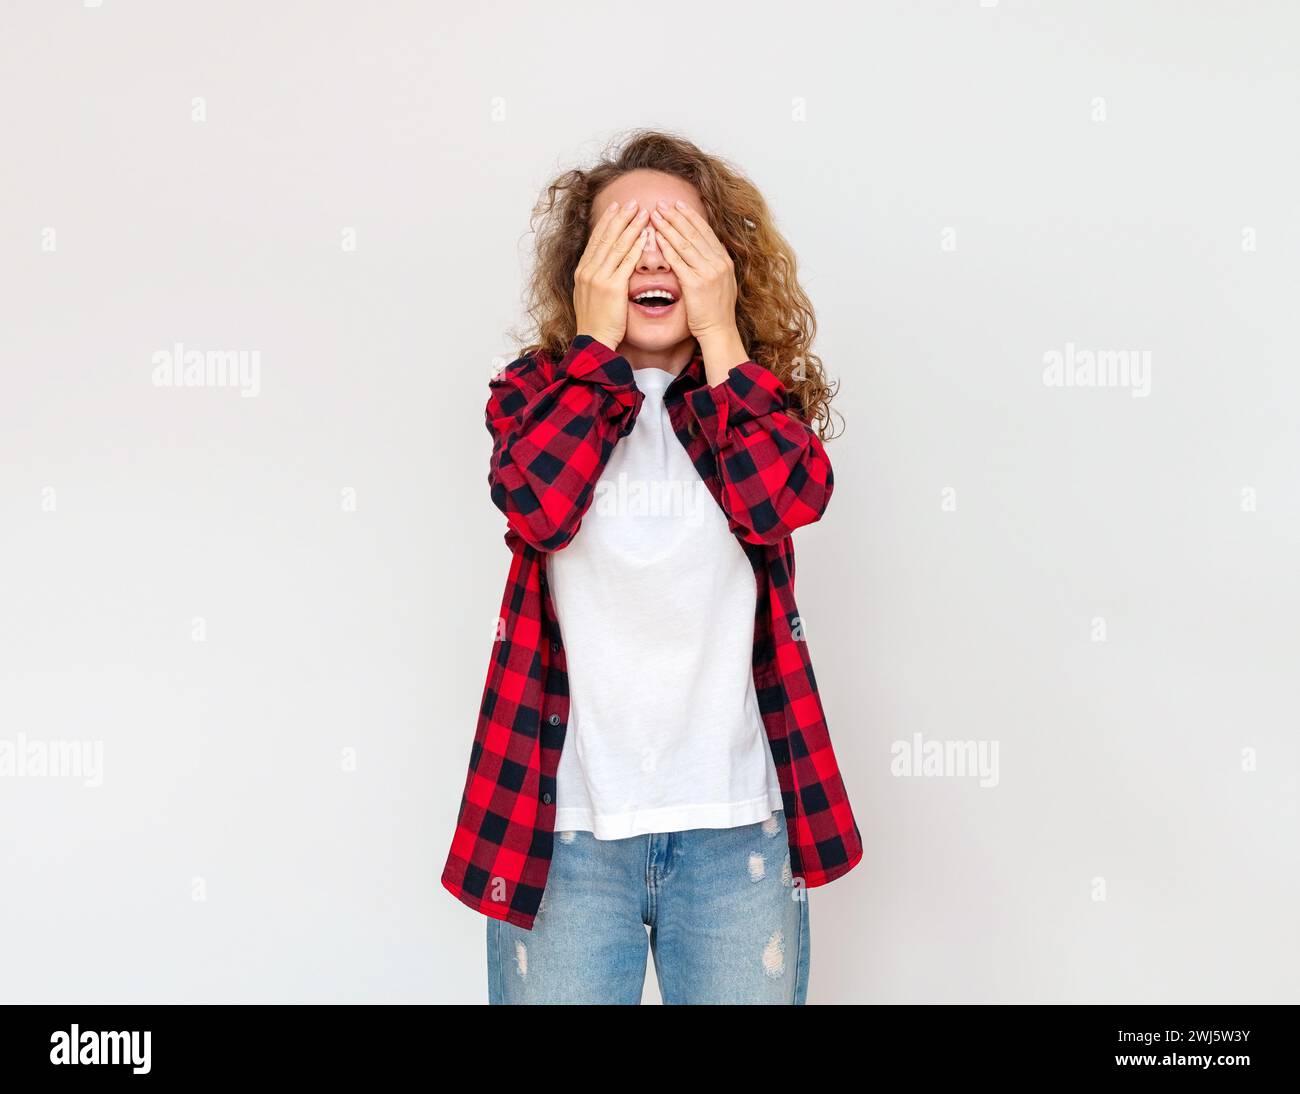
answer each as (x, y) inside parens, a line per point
(555, 719)
(555, 647)
(546, 799)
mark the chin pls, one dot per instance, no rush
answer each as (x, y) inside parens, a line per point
(656, 338)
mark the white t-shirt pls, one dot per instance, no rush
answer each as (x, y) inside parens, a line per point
(655, 599)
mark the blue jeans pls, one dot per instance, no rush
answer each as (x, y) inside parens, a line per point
(726, 923)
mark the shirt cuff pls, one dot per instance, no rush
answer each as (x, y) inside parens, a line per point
(749, 391)
(596, 363)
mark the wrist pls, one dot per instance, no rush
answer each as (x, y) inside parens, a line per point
(608, 339)
(722, 351)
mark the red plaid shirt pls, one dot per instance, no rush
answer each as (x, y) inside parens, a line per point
(554, 426)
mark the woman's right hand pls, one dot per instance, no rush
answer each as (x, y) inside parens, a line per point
(604, 271)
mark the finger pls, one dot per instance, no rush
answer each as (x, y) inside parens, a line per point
(675, 261)
(633, 256)
(689, 237)
(704, 233)
(683, 251)
(599, 229)
(618, 250)
(601, 241)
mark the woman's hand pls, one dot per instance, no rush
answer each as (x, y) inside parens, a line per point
(707, 276)
(601, 280)
(703, 268)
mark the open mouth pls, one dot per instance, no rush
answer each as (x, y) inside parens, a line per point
(653, 302)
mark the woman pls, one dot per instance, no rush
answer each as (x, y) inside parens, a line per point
(651, 749)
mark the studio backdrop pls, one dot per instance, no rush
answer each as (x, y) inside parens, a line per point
(1053, 603)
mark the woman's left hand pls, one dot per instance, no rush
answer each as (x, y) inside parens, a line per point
(703, 268)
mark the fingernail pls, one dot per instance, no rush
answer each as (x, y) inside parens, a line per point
(663, 204)
(614, 206)
(631, 204)
(681, 204)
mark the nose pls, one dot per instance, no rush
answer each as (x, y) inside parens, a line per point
(652, 258)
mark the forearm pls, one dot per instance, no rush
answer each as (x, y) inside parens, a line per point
(552, 440)
(775, 473)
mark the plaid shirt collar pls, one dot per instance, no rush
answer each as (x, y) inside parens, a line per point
(690, 377)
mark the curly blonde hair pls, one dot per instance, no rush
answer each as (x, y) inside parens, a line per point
(773, 314)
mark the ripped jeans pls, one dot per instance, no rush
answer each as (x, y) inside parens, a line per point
(726, 922)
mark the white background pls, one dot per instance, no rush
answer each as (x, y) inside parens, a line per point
(1101, 168)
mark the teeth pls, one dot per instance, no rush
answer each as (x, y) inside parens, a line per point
(654, 297)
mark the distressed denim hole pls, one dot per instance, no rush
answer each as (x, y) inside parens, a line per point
(774, 956)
